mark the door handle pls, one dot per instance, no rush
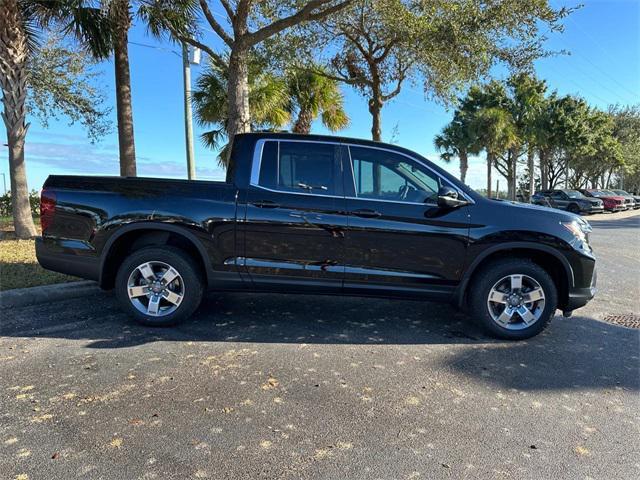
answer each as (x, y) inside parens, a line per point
(265, 204)
(366, 213)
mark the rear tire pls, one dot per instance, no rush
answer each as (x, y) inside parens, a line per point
(159, 286)
(499, 294)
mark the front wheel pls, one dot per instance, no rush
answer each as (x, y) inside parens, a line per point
(159, 286)
(513, 299)
(573, 208)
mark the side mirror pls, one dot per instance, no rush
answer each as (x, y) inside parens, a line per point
(448, 198)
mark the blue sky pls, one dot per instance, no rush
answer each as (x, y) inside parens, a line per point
(604, 68)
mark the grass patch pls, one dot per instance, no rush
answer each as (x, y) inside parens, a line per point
(18, 265)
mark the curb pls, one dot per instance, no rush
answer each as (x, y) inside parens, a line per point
(22, 297)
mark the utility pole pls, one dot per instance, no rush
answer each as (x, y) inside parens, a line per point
(188, 124)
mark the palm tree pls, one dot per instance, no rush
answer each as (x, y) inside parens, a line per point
(20, 21)
(268, 99)
(494, 130)
(119, 15)
(313, 95)
(455, 141)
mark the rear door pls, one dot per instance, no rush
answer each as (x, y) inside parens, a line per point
(399, 241)
(295, 221)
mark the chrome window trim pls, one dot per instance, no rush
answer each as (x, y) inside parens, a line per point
(257, 161)
(297, 193)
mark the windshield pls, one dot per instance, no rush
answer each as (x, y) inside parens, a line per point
(620, 192)
(599, 193)
(573, 194)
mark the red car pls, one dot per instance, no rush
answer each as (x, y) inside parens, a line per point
(612, 202)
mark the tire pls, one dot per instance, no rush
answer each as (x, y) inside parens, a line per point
(573, 208)
(158, 304)
(497, 279)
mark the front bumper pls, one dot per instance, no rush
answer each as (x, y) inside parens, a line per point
(592, 209)
(616, 208)
(579, 297)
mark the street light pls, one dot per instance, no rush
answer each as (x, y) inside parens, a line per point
(190, 56)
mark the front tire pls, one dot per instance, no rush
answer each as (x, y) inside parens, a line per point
(513, 299)
(573, 208)
(159, 287)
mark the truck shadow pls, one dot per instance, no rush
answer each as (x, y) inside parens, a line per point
(573, 353)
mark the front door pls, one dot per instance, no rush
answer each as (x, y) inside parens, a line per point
(295, 222)
(399, 241)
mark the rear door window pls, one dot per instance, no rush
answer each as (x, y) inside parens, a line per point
(301, 167)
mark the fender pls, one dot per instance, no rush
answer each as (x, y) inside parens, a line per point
(156, 226)
(462, 286)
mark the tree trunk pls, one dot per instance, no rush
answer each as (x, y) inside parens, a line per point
(512, 173)
(303, 122)
(13, 78)
(122, 21)
(375, 109)
(239, 120)
(464, 165)
(489, 167)
(544, 170)
(532, 176)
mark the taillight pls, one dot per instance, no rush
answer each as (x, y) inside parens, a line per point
(47, 209)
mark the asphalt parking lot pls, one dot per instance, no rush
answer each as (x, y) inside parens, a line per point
(266, 386)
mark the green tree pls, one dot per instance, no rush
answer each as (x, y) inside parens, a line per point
(312, 95)
(248, 25)
(526, 105)
(20, 25)
(442, 44)
(61, 82)
(269, 101)
(627, 131)
(495, 131)
(455, 140)
(562, 130)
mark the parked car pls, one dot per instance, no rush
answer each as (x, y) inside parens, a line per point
(541, 197)
(570, 200)
(612, 202)
(629, 200)
(318, 214)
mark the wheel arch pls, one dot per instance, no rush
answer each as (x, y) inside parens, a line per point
(133, 237)
(548, 258)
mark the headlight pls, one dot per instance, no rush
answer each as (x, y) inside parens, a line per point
(580, 229)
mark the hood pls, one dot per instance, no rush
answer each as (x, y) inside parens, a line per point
(512, 207)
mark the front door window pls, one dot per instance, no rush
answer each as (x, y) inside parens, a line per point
(383, 175)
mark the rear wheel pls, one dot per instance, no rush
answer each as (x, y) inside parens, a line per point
(513, 299)
(159, 286)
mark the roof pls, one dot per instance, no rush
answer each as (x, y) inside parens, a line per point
(329, 138)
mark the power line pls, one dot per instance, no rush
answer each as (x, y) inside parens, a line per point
(155, 47)
(603, 50)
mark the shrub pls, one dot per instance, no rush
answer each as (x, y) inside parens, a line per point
(5, 203)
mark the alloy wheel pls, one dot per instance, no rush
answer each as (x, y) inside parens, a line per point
(155, 288)
(516, 302)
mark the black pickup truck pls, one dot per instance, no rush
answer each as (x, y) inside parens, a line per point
(318, 215)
